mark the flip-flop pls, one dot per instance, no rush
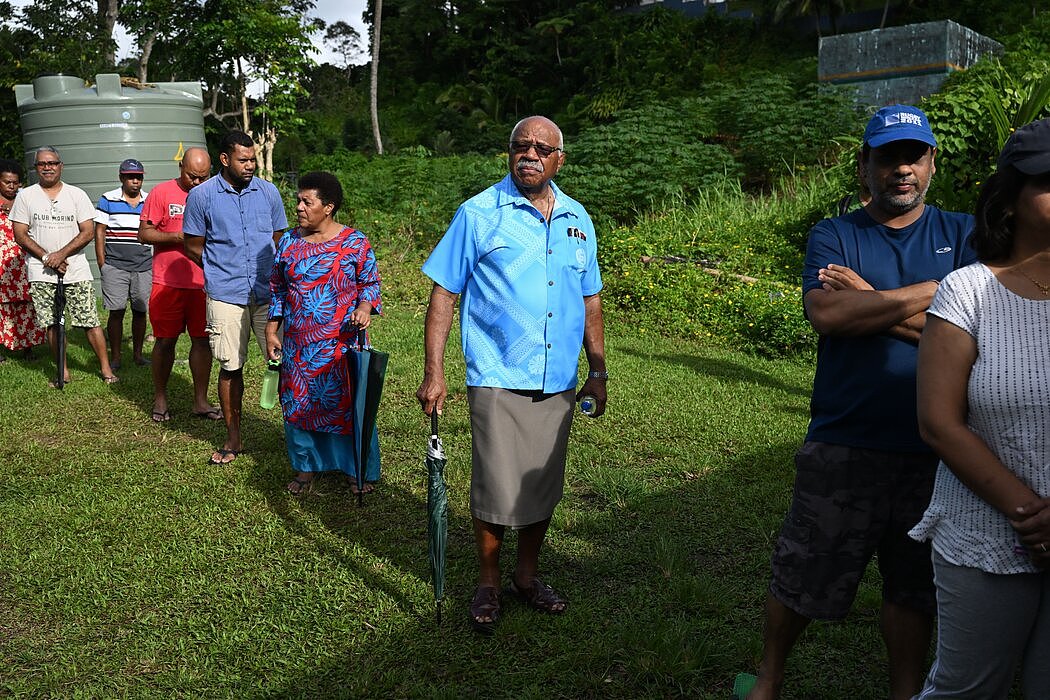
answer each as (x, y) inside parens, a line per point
(299, 487)
(369, 487)
(223, 453)
(161, 416)
(213, 413)
(111, 379)
(742, 685)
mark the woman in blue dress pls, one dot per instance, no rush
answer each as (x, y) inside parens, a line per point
(324, 289)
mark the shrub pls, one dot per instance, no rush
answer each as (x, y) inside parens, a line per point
(963, 116)
(647, 156)
(660, 272)
(409, 198)
(776, 125)
(682, 300)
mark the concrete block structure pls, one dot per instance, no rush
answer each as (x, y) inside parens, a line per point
(900, 64)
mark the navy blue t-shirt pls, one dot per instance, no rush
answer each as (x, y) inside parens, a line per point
(864, 388)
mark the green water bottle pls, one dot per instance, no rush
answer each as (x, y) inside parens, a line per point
(268, 397)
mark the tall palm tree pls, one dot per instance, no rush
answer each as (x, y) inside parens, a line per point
(555, 26)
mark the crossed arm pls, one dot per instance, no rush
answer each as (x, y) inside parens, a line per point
(847, 305)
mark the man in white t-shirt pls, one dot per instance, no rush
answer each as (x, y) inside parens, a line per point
(53, 222)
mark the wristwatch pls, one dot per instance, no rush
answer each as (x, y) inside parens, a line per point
(594, 374)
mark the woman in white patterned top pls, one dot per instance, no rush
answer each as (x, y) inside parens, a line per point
(984, 406)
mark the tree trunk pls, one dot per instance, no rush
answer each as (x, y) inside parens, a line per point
(246, 124)
(269, 142)
(374, 88)
(146, 47)
(107, 19)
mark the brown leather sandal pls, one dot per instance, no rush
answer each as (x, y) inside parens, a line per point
(539, 596)
(485, 609)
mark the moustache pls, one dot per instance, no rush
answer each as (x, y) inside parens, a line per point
(533, 165)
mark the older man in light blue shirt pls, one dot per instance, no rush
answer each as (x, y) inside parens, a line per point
(523, 256)
(231, 224)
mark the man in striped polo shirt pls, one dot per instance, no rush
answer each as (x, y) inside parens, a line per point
(126, 265)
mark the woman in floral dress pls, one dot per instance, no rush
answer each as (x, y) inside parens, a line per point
(324, 289)
(18, 327)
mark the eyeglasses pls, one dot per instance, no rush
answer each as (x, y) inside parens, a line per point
(542, 149)
(48, 163)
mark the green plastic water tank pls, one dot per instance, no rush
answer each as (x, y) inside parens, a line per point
(95, 127)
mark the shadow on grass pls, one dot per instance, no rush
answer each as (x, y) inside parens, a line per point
(389, 528)
(665, 583)
(725, 370)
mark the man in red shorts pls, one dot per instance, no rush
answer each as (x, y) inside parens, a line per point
(177, 299)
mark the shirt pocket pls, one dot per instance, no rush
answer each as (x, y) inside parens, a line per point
(262, 221)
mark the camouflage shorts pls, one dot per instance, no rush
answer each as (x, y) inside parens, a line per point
(848, 505)
(81, 307)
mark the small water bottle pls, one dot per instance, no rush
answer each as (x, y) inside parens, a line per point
(588, 405)
(268, 397)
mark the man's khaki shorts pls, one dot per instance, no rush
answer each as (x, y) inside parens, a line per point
(228, 328)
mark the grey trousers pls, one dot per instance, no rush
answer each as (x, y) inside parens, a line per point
(986, 624)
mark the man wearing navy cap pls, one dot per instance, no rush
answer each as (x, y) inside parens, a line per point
(125, 264)
(864, 476)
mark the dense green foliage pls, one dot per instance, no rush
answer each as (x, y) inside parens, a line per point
(703, 147)
(407, 199)
(648, 156)
(454, 76)
(723, 270)
(673, 150)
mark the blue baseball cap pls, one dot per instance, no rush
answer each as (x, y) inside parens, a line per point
(898, 123)
(131, 167)
(1028, 149)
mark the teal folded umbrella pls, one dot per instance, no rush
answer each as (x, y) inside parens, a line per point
(367, 374)
(437, 512)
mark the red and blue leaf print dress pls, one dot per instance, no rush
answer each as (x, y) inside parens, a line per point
(18, 327)
(315, 287)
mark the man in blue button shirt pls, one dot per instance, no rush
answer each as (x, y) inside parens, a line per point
(523, 257)
(231, 224)
(864, 476)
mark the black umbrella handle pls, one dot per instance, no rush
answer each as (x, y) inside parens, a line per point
(434, 421)
(361, 338)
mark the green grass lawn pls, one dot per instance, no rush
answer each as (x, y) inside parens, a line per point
(131, 568)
